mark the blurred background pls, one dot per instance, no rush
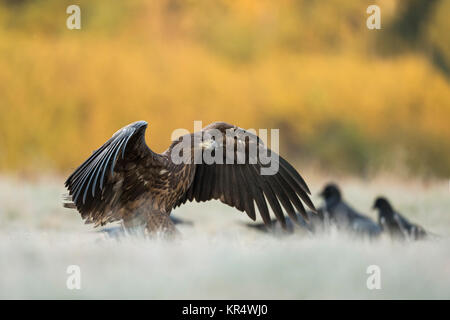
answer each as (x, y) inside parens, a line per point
(346, 99)
(368, 109)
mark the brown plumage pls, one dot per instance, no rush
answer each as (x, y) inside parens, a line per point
(125, 180)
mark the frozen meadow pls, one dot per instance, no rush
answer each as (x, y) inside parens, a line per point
(219, 257)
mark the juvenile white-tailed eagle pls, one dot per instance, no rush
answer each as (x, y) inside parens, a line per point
(125, 180)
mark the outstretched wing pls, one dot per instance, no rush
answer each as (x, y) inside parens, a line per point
(113, 177)
(240, 183)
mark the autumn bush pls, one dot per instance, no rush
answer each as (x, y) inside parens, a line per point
(310, 68)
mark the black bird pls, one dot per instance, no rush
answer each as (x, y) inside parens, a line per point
(344, 216)
(395, 224)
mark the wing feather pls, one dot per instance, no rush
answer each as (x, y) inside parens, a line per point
(284, 195)
(248, 193)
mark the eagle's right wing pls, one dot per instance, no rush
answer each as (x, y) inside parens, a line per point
(104, 188)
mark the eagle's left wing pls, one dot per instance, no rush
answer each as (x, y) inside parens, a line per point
(240, 185)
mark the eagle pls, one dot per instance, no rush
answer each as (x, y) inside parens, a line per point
(125, 181)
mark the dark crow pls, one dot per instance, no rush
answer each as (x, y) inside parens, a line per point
(395, 224)
(344, 216)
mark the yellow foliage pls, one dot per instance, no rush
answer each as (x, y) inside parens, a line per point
(250, 63)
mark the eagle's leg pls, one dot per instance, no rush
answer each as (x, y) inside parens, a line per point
(134, 224)
(151, 224)
(159, 224)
